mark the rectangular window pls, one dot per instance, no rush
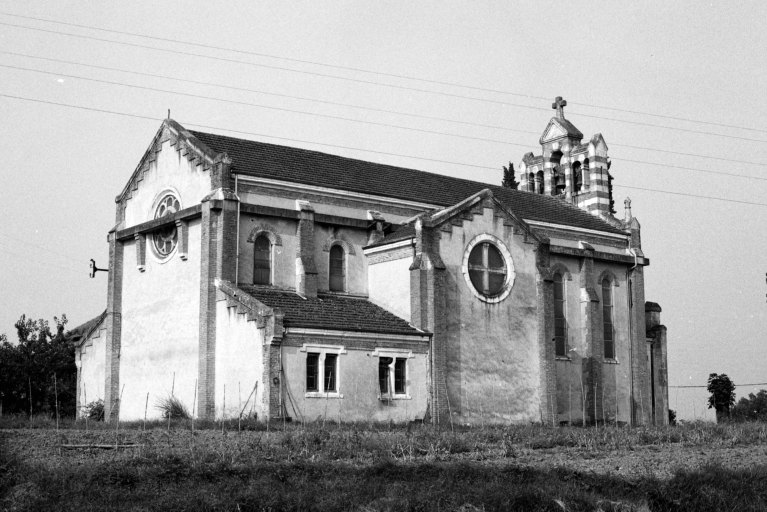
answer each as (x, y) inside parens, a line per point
(312, 371)
(383, 374)
(330, 372)
(400, 376)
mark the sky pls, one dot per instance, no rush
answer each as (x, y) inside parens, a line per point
(456, 88)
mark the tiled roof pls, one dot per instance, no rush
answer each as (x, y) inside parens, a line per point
(330, 311)
(83, 330)
(321, 169)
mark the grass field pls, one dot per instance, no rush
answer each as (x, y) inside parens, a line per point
(370, 467)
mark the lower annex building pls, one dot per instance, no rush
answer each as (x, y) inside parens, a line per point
(288, 283)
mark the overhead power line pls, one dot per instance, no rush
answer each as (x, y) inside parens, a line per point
(375, 72)
(220, 129)
(349, 119)
(361, 107)
(736, 385)
(380, 84)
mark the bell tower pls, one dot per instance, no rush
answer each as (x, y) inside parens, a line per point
(567, 167)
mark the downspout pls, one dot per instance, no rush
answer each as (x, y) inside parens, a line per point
(237, 239)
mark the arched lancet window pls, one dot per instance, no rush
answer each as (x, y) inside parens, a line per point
(531, 182)
(577, 177)
(607, 318)
(560, 317)
(262, 260)
(539, 182)
(337, 270)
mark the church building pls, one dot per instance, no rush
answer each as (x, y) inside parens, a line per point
(282, 283)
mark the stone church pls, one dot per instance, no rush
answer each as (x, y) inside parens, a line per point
(259, 279)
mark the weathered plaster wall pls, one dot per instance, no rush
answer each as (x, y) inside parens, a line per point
(389, 283)
(239, 363)
(160, 328)
(90, 360)
(170, 170)
(358, 388)
(492, 349)
(283, 256)
(615, 388)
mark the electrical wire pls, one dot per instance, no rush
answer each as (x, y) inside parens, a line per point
(349, 119)
(362, 107)
(381, 73)
(137, 116)
(370, 82)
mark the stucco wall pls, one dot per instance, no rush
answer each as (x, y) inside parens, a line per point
(90, 359)
(358, 388)
(160, 328)
(169, 171)
(389, 285)
(239, 363)
(615, 387)
(492, 349)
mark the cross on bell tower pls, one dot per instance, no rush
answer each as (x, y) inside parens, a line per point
(559, 104)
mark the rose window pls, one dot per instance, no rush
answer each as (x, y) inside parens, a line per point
(166, 238)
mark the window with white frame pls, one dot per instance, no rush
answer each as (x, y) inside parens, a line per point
(322, 370)
(392, 373)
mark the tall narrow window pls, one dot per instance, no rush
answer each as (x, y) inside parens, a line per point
(312, 371)
(383, 375)
(337, 269)
(586, 174)
(560, 320)
(330, 372)
(262, 263)
(400, 375)
(607, 318)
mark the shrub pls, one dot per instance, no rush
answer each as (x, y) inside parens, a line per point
(173, 408)
(95, 410)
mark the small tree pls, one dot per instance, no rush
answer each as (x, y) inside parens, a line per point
(509, 178)
(722, 395)
(753, 408)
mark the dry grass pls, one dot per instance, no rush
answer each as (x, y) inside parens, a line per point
(377, 467)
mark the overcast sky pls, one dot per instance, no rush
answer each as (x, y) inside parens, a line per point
(676, 88)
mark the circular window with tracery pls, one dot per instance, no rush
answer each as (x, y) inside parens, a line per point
(166, 238)
(488, 268)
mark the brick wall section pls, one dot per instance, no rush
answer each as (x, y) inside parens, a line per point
(306, 269)
(656, 334)
(209, 227)
(642, 399)
(114, 328)
(427, 303)
(545, 302)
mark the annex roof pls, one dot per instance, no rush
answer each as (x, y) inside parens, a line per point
(82, 331)
(308, 167)
(330, 311)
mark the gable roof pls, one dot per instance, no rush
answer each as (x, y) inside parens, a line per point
(308, 167)
(330, 311)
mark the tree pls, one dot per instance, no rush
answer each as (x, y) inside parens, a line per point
(509, 179)
(722, 395)
(38, 368)
(753, 408)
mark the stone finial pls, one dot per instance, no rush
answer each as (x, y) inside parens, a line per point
(559, 105)
(627, 209)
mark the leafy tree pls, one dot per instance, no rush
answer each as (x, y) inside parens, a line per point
(722, 396)
(37, 368)
(752, 408)
(509, 177)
